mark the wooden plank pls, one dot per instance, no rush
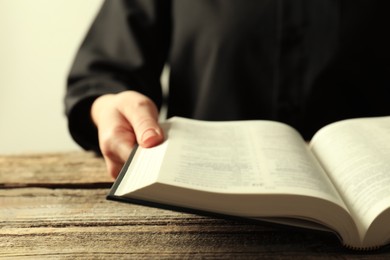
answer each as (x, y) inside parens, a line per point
(160, 241)
(41, 222)
(80, 168)
(70, 217)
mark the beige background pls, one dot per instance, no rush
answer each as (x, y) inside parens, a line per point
(38, 41)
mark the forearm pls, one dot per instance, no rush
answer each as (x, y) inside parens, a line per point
(123, 50)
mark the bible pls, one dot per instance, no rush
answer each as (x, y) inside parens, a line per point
(265, 170)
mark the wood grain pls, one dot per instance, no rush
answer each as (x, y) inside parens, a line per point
(53, 169)
(72, 222)
(54, 206)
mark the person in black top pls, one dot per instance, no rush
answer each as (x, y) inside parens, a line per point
(303, 62)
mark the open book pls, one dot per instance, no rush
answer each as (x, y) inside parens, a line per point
(258, 169)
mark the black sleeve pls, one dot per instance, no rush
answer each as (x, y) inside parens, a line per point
(125, 49)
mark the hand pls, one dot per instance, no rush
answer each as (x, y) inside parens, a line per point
(123, 120)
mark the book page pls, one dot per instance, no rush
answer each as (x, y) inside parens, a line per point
(356, 155)
(242, 157)
(145, 171)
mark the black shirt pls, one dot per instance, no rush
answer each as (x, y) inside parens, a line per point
(303, 62)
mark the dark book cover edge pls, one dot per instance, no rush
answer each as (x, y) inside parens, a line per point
(111, 195)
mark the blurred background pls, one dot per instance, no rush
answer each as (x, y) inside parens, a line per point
(38, 41)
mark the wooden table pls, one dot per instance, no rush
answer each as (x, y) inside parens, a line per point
(54, 206)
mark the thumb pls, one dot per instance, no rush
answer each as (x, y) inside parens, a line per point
(142, 115)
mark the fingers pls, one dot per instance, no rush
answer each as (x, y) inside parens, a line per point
(123, 120)
(115, 134)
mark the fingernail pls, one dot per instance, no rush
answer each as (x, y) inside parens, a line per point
(150, 133)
